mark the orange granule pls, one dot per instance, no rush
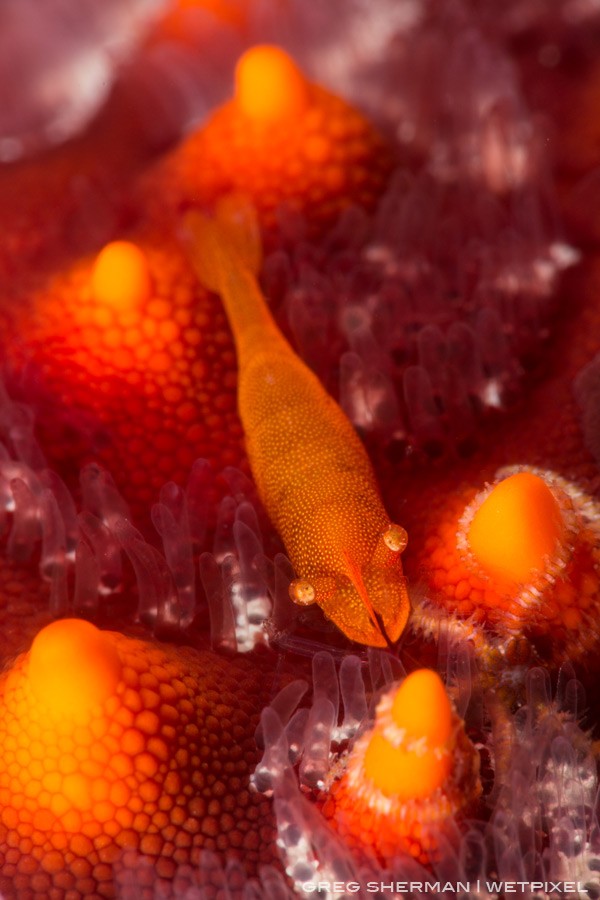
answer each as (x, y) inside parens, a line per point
(112, 744)
(282, 141)
(518, 560)
(133, 365)
(408, 777)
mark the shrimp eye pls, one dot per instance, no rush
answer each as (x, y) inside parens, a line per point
(302, 592)
(395, 538)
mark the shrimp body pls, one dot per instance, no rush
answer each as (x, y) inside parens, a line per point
(311, 469)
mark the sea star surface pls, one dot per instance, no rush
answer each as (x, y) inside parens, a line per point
(414, 257)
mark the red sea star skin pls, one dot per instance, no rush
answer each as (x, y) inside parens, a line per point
(307, 151)
(549, 411)
(105, 376)
(125, 745)
(48, 216)
(177, 23)
(407, 777)
(145, 384)
(24, 606)
(547, 610)
(173, 710)
(544, 432)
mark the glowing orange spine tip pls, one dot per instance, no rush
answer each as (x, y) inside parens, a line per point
(269, 85)
(135, 365)
(411, 774)
(72, 667)
(516, 571)
(517, 528)
(410, 758)
(106, 744)
(121, 276)
(283, 140)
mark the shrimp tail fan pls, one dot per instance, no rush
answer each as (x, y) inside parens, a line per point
(230, 239)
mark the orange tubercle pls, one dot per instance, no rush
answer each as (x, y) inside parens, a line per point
(111, 744)
(516, 566)
(133, 366)
(269, 86)
(407, 777)
(282, 141)
(410, 759)
(517, 528)
(421, 708)
(404, 774)
(120, 276)
(72, 667)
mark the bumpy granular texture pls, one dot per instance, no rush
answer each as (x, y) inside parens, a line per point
(409, 777)
(307, 151)
(143, 381)
(535, 537)
(519, 560)
(112, 745)
(544, 433)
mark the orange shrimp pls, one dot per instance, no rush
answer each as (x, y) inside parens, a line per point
(311, 469)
